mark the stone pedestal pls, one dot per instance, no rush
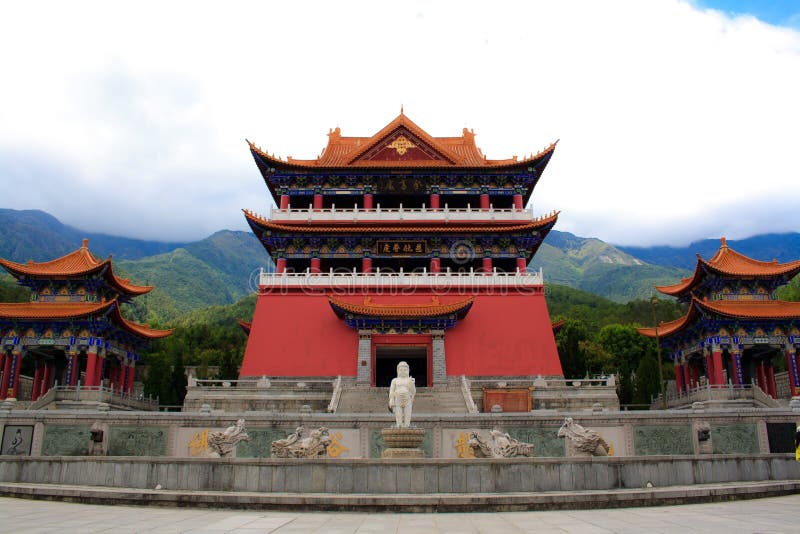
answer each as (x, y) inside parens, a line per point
(403, 442)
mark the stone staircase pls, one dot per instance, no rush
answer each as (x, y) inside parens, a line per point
(437, 399)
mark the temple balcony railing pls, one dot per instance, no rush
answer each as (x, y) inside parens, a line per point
(394, 279)
(379, 214)
(715, 393)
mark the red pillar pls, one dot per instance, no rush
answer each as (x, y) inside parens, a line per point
(716, 358)
(770, 371)
(761, 376)
(6, 376)
(484, 201)
(367, 201)
(518, 202)
(130, 378)
(522, 265)
(73, 366)
(317, 202)
(366, 265)
(709, 369)
(37, 382)
(47, 378)
(736, 368)
(434, 201)
(487, 264)
(15, 377)
(315, 265)
(280, 265)
(792, 367)
(686, 377)
(678, 378)
(91, 369)
(436, 265)
(98, 377)
(284, 202)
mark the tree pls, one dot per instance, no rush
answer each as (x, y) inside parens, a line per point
(177, 381)
(625, 344)
(597, 359)
(568, 342)
(625, 388)
(646, 385)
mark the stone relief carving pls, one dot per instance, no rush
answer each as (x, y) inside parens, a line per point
(499, 445)
(401, 396)
(223, 443)
(666, 439)
(582, 441)
(315, 445)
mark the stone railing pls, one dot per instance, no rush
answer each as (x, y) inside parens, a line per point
(260, 394)
(400, 214)
(467, 392)
(715, 393)
(94, 395)
(309, 280)
(337, 393)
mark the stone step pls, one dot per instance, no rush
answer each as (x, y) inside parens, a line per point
(376, 400)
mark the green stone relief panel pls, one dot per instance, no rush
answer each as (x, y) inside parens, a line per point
(137, 441)
(657, 440)
(545, 440)
(260, 444)
(376, 443)
(61, 440)
(735, 438)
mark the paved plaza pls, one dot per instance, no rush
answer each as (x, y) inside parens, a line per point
(777, 514)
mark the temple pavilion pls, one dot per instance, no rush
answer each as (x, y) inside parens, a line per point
(72, 327)
(736, 330)
(401, 246)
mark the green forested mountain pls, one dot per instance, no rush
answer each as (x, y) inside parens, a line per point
(595, 266)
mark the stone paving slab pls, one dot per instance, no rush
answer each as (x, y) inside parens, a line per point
(775, 514)
(419, 503)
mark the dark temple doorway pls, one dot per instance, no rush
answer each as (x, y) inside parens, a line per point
(388, 356)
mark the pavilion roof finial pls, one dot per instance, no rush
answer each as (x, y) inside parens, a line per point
(401, 109)
(724, 242)
(85, 242)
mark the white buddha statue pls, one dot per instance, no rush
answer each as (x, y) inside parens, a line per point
(401, 396)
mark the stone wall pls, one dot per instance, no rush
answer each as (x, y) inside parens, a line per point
(184, 435)
(391, 477)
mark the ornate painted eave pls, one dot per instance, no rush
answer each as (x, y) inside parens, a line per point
(731, 264)
(429, 309)
(79, 263)
(245, 326)
(42, 311)
(540, 223)
(731, 309)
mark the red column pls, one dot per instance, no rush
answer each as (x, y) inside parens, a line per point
(434, 201)
(317, 202)
(98, 377)
(487, 265)
(522, 265)
(284, 202)
(6, 376)
(716, 358)
(762, 378)
(91, 369)
(366, 265)
(130, 378)
(47, 378)
(709, 369)
(315, 265)
(15, 377)
(37, 382)
(518, 202)
(367, 201)
(436, 265)
(484, 201)
(736, 368)
(792, 366)
(678, 378)
(73, 374)
(280, 265)
(686, 378)
(771, 381)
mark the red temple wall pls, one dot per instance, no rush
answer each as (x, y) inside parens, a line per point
(298, 334)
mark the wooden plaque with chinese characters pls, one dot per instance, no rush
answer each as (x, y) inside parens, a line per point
(400, 248)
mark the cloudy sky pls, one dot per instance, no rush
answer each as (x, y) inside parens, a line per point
(677, 120)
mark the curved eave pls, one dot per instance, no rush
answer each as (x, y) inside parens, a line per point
(542, 223)
(53, 310)
(768, 309)
(401, 311)
(557, 326)
(123, 285)
(137, 329)
(268, 161)
(245, 326)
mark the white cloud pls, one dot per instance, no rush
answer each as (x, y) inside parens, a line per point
(676, 123)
